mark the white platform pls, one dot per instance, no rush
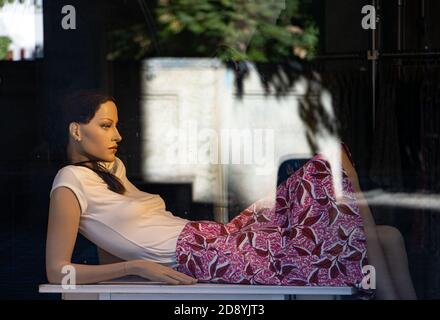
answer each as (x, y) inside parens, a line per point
(145, 290)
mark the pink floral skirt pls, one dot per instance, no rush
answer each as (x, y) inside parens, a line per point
(303, 238)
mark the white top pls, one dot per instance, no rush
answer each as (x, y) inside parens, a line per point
(135, 225)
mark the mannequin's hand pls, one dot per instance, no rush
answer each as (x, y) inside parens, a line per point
(157, 272)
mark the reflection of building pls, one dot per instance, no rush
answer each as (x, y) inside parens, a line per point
(188, 105)
(23, 24)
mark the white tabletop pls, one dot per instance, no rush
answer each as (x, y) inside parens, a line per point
(129, 286)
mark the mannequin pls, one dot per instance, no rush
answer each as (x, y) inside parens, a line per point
(93, 138)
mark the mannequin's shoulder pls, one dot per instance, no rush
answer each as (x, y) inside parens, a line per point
(118, 167)
(72, 171)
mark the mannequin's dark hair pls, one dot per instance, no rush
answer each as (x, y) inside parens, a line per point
(81, 107)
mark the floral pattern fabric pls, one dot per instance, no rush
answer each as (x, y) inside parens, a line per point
(301, 238)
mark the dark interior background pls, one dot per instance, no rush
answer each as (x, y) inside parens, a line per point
(76, 59)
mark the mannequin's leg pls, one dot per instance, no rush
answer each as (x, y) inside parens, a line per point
(376, 256)
(393, 245)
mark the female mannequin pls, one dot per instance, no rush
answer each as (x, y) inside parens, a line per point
(209, 251)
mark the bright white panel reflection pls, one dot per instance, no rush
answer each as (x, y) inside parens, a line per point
(23, 24)
(403, 200)
(196, 129)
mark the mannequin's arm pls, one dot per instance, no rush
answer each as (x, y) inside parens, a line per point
(64, 216)
(63, 224)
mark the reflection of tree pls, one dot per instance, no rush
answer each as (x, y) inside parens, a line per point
(3, 2)
(253, 30)
(274, 34)
(131, 43)
(5, 41)
(4, 45)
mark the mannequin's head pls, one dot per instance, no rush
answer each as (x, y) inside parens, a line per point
(90, 120)
(89, 134)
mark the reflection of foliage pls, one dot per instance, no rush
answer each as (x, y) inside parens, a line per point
(257, 30)
(254, 30)
(4, 45)
(131, 42)
(3, 2)
(37, 4)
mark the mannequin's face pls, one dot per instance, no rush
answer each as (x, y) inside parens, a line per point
(96, 137)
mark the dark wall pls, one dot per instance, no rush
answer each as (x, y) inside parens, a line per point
(405, 118)
(28, 91)
(420, 27)
(73, 59)
(343, 31)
